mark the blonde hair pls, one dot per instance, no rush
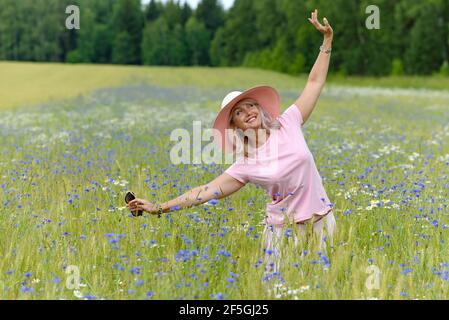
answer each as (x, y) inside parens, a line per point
(267, 123)
(267, 120)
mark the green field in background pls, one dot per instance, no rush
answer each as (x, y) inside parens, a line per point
(32, 83)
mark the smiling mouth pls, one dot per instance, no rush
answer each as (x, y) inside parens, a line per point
(251, 119)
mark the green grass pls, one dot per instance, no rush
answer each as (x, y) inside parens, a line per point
(33, 83)
(65, 167)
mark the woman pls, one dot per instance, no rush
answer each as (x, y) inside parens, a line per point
(276, 157)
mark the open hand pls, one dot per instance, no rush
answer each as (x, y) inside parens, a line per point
(326, 30)
(142, 204)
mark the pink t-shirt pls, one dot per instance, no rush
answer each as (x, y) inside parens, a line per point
(285, 168)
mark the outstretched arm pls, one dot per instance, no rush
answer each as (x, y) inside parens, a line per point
(221, 187)
(317, 77)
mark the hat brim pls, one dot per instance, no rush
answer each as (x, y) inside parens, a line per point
(266, 96)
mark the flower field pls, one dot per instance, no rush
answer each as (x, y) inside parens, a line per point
(65, 166)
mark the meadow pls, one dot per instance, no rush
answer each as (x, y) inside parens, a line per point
(74, 139)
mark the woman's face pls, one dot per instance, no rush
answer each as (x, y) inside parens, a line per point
(246, 115)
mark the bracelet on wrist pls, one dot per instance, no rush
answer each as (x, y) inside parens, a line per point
(327, 51)
(160, 210)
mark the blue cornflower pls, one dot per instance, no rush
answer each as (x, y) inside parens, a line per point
(212, 202)
(135, 270)
(218, 296)
(406, 270)
(224, 253)
(26, 289)
(324, 260)
(139, 282)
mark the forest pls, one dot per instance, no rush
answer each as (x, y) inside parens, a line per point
(413, 38)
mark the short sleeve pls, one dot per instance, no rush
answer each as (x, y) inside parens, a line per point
(238, 171)
(292, 116)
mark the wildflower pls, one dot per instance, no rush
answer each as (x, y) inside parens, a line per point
(135, 270)
(26, 289)
(224, 253)
(406, 270)
(77, 294)
(218, 296)
(288, 233)
(139, 282)
(231, 280)
(212, 202)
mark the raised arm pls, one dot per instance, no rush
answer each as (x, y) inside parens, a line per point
(221, 187)
(317, 77)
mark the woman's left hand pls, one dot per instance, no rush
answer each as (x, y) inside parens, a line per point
(326, 30)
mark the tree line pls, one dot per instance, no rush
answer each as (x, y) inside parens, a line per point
(413, 37)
